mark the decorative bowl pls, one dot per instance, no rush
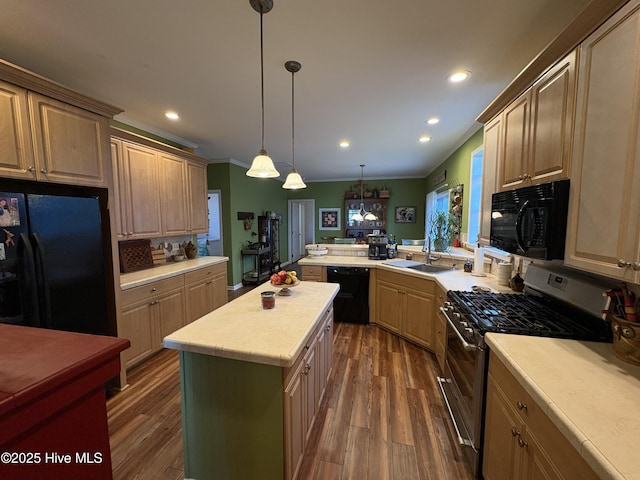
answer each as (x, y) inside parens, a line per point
(316, 250)
(285, 287)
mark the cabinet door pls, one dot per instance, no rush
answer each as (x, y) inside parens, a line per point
(501, 451)
(389, 305)
(294, 421)
(312, 372)
(604, 225)
(197, 197)
(218, 290)
(512, 164)
(71, 144)
(137, 326)
(552, 109)
(170, 313)
(16, 152)
(198, 304)
(117, 202)
(418, 317)
(173, 195)
(141, 192)
(492, 152)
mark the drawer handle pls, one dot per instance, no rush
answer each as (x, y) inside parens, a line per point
(306, 370)
(44, 170)
(154, 289)
(515, 432)
(521, 442)
(521, 406)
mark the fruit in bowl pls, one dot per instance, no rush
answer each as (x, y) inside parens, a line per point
(284, 279)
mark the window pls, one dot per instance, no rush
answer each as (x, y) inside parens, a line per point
(475, 195)
(436, 201)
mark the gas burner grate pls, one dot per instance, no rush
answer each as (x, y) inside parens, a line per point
(527, 315)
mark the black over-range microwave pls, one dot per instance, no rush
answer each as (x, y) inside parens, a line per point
(531, 221)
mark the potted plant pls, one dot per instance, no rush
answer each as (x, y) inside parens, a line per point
(440, 230)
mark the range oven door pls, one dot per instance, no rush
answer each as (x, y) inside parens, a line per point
(462, 388)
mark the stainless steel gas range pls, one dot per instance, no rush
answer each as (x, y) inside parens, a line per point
(556, 303)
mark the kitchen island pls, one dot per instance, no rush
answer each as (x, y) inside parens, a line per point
(251, 381)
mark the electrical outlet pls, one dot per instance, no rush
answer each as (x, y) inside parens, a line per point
(362, 254)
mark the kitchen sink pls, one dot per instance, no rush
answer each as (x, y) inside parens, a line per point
(430, 268)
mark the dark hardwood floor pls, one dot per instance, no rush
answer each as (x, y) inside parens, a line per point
(382, 416)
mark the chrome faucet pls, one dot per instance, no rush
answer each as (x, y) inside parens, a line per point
(427, 248)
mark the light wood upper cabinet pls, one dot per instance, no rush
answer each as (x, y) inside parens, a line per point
(16, 150)
(604, 225)
(70, 144)
(536, 130)
(50, 141)
(492, 152)
(552, 114)
(173, 188)
(161, 193)
(139, 192)
(513, 163)
(198, 206)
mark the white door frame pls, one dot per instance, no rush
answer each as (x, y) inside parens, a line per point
(301, 227)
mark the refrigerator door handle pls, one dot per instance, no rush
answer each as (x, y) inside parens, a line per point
(28, 284)
(43, 281)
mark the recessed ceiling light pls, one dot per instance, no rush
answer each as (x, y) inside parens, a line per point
(433, 120)
(424, 139)
(459, 76)
(344, 144)
(172, 115)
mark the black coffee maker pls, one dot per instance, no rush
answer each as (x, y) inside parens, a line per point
(377, 246)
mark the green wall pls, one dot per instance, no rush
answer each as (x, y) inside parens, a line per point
(458, 168)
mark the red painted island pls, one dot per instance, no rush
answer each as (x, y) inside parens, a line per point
(53, 416)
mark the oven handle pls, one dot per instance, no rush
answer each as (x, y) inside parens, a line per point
(465, 345)
(461, 441)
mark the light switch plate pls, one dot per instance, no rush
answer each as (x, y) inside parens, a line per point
(362, 254)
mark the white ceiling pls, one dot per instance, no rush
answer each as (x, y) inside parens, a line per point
(372, 71)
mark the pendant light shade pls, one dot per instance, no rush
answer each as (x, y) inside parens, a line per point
(362, 214)
(294, 180)
(262, 166)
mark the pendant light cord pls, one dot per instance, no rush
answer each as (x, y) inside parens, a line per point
(293, 149)
(262, 78)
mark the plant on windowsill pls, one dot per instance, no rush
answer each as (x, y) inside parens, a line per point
(440, 230)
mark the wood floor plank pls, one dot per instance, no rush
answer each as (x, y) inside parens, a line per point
(401, 430)
(404, 464)
(379, 467)
(357, 455)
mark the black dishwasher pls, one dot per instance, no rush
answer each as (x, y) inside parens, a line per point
(352, 302)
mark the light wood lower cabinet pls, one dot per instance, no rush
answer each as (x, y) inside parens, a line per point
(206, 290)
(405, 305)
(151, 312)
(520, 442)
(305, 384)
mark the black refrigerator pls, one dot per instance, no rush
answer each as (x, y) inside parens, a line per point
(55, 257)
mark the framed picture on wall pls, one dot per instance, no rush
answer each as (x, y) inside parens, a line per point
(405, 215)
(329, 219)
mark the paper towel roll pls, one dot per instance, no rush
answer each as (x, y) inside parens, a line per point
(478, 262)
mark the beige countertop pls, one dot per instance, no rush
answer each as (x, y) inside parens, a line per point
(242, 330)
(588, 393)
(160, 272)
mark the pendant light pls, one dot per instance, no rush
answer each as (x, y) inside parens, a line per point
(262, 166)
(362, 213)
(294, 180)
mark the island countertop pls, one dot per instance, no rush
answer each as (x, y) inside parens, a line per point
(243, 330)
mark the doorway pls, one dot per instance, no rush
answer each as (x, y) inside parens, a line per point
(212, 241)
(301, 222)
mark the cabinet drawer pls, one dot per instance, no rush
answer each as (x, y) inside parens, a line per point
(204, 273)
(136, 294)
(312, 272)
(518, 397)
